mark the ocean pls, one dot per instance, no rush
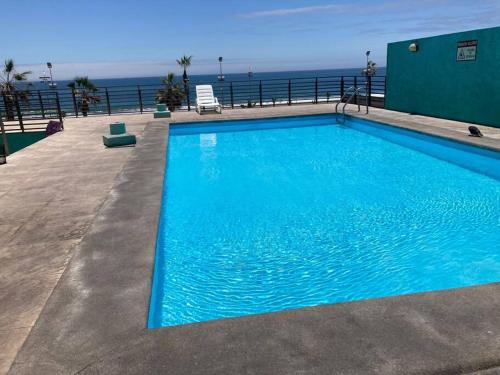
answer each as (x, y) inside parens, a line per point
(138, 94)
(211, 78)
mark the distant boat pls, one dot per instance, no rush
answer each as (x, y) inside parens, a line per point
(44, 78)
(48, 80)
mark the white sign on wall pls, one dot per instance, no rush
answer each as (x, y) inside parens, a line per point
(466, 50)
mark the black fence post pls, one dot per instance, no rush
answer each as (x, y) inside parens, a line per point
(59, 112)
(355, 90)
(75, 106)
(385, 90)
(342, 89)
(107, 102)
(10, 106)
(5, 106)
(19, 113)
(232, 95)
(42, 110)
(188, 96)
(222, 94)
(4, 137)
(289, 92)
(260, 93)
(139, 94)
(316, 91)
(369, 91)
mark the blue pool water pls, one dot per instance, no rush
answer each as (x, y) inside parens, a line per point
(311, 212)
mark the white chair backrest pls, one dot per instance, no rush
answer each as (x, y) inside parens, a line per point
(205, 94)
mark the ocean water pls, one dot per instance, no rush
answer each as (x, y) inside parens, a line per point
(268, 215)
(133, 94)
(205, 78)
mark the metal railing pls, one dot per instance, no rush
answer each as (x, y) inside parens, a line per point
(350, 94)
(231, 94)
(32, 113)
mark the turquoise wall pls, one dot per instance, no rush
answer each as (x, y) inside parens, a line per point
(431, 82)
(18, 141)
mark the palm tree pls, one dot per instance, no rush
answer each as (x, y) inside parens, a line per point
(172, 95)
(185, 62)
(8, 86)
(84, 90)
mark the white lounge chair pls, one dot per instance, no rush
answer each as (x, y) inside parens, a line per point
(205, 100)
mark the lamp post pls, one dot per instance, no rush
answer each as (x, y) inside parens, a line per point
(52, 85)
(220, 77)
(250, 75)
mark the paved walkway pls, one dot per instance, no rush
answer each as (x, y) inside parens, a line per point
(49, 195)
(51, 192)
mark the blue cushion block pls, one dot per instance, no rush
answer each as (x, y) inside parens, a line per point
(161, 107)
(126, 139)
(163, 114)
(117, 128)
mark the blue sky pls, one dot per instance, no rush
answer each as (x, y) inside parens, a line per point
(143, 38)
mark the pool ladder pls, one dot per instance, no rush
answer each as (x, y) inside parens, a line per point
(351, 93)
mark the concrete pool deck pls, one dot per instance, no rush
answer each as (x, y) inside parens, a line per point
(50, 193)
(69, 197)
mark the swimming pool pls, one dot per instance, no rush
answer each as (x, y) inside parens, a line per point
(266, 215)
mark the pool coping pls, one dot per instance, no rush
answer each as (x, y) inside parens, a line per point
(486, 143)
(377, 117)
(95, 320)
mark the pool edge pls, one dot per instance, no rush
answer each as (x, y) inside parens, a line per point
(452, 135)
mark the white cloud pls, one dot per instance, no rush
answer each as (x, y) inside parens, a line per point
(383, 7)
(127, 69)
(117, 69)
(288, 11)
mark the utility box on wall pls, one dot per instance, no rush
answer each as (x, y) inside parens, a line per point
(454, 76)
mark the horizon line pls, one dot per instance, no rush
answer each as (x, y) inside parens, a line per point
(214, 74)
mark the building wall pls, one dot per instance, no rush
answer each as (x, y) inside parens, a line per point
(432, 82)
(18, 141)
